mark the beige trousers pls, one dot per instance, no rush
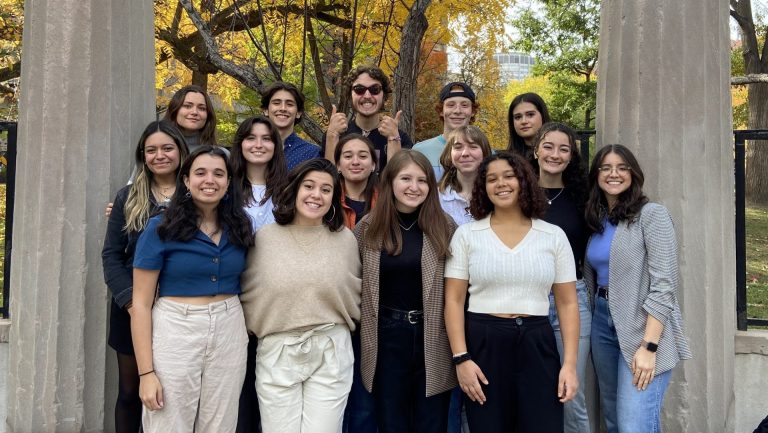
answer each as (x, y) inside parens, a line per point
(199, 354)
(303, 379)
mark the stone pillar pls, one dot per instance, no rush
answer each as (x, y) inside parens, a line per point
(87, 92)
(663, 90)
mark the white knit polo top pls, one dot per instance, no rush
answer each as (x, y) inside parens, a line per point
(511, 281)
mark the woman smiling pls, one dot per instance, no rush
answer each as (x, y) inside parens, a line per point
(302, 298)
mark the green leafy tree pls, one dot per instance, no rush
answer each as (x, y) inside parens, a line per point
(563, 36)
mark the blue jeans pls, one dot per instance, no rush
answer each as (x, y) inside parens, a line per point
(626, 409)
(575, 411)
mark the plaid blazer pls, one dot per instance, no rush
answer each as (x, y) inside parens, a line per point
(441, 375)
(643, 278)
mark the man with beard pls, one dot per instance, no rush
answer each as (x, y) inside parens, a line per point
(369, 88)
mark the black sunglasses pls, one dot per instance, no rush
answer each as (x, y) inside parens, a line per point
(359, 89)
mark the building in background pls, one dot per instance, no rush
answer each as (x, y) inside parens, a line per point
(514, 65)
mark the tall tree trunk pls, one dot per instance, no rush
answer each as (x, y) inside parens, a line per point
(408, 65)
(200, 79)
(757, 151)
(755, 62)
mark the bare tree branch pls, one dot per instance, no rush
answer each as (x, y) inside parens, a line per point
(749, 79)
(244, 75)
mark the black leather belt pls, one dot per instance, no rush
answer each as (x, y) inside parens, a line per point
(413, 316)
(602, 292)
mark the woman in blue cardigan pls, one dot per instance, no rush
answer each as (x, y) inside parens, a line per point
(631, 268)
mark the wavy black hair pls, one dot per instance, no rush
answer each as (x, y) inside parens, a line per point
(276, 167)
(181, 219)
(285, 202)
(531, 198)
(574, 175)
(629, 203)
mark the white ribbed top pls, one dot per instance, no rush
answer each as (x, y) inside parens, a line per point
(512, 281)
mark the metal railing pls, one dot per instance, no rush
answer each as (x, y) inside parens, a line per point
(740, 138)
(10, 188)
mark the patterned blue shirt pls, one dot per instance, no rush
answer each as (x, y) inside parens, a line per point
(298, 150)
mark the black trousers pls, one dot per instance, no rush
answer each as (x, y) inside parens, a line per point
(519, 358)
(248, 417)
(399, 388)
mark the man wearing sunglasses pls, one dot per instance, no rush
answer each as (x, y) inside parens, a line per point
(369, 88)
(457, 107)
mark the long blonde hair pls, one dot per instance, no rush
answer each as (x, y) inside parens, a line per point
(138, 205)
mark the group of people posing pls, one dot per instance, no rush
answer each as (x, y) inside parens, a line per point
(372, 285)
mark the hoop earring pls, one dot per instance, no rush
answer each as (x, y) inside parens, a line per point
(188, 194)
(332, 215)
(226, 197)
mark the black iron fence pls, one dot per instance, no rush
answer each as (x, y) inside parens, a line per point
(8, 134)
(8, 177)
(740, 138)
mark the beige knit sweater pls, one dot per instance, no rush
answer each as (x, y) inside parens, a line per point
(298, 277)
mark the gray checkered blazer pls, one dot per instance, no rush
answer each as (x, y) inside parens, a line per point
(441, 375)
(643, 279)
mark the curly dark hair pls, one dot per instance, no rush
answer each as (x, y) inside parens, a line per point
(629, 203)
(180, 220)
(285, 201)
(276, 167)
(516, 142)
(531, 198)
(375, 73)
(574, 175)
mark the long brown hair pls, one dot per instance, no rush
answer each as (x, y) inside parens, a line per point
(208, 133)
(276, 172)
(384, 227)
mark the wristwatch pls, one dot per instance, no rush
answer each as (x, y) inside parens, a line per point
(651, 347)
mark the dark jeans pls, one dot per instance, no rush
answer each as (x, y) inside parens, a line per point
(520, 360)
(248, 418)
(399, 387)
(360, 414)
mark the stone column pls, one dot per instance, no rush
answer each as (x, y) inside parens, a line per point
(87, 92)
(663, 90)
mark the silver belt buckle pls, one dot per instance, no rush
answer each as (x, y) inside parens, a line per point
(411, 314)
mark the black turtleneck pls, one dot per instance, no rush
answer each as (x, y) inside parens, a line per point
(400, 276)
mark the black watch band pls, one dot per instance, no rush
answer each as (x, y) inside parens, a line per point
(458, 359)
(651, 347)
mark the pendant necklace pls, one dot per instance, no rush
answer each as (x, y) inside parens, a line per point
(166, 199)
(407, 228)
(550, 200)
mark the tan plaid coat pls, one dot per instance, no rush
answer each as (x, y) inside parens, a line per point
(441, 375)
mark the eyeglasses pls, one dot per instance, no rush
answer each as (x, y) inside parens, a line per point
(620, 169)
(360, 90)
